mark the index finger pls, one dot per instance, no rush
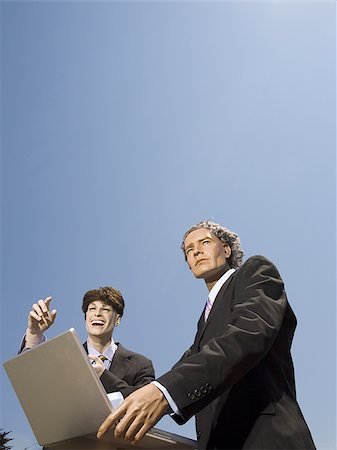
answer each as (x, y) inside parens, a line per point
(43, 306)
(110, 421)
(47, 301)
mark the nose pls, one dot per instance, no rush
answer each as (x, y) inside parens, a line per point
(197, 251)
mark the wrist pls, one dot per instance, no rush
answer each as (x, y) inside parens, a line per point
(33, 339)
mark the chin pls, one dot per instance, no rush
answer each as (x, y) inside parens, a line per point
(199, 275)
(96, 332)
(202, 274)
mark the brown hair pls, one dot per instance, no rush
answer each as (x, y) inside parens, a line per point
(107, 295)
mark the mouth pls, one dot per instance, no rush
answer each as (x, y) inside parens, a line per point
(200, 260)
(97, 323)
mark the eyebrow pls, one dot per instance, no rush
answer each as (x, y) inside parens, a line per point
(103, 306)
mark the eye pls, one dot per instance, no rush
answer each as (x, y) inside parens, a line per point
(107, 309)
(206, 242)
(188, 251)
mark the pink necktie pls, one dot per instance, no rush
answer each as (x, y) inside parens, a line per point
(208, 308)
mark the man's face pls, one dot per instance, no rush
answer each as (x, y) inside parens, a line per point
(100, 319)
(206, 254)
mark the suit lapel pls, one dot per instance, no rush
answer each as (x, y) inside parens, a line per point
(120, 362)
(200, 327)
(216, 305)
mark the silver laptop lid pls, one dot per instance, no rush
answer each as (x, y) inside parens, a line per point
(58, 389)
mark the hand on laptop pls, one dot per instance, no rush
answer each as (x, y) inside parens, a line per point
(40, 318)
(139, 412)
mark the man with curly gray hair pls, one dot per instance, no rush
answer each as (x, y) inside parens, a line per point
(237, 378)
(225, 235)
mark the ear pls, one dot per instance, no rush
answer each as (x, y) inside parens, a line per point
(228, 250)
(118, 320)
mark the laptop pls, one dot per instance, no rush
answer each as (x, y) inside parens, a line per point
(65, 402)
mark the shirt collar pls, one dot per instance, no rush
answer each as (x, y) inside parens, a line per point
(218, 285)
(109, 352)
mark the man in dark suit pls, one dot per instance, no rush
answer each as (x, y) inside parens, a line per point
(120, 370)
(237, 377)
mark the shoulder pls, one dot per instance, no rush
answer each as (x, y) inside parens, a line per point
(257, 265)
(131, 354)
(256, 260)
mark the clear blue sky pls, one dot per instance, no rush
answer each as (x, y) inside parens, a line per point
(123, 123)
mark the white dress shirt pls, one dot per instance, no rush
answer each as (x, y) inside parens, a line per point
(108, 353)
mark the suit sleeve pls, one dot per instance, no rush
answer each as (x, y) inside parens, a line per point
(23, 344)
(256, 317)
(142, 374)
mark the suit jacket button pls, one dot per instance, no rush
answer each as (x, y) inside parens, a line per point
(198, 434)
(197, 393)
(191, 396)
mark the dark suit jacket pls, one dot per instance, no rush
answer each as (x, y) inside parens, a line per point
(238, 378)
(128, 371)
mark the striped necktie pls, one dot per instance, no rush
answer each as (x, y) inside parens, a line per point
(208, 308)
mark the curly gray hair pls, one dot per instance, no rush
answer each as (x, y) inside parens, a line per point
(225, 235)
